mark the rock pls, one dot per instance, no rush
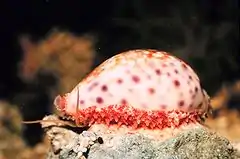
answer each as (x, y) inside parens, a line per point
(192, 143)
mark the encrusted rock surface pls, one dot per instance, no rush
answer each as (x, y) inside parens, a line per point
(193, 143)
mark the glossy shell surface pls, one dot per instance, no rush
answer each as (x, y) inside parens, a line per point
(143, 79)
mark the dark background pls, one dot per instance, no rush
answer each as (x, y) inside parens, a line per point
(127, 24)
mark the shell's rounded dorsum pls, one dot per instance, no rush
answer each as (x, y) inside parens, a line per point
(140, 88)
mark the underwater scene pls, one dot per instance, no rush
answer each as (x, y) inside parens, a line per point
(120, 80)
